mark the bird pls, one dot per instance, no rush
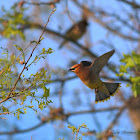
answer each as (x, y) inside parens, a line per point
(75, 32)
(88, 72)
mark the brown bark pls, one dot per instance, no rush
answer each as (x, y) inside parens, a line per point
(134, 112)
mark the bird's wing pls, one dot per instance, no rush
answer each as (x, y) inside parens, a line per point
(99, 63)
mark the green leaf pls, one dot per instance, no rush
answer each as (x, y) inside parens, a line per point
(43, 50)
(135, 79)
(46, 92)
(135, 93)
(84, 126)
(128, 85)
(72, 128)
(4, 109)
(41, 105)
(123, 69)
(120, 74)
(128, 61)
(20, 49)
(136, 89)
(25, 110)
(136, 58)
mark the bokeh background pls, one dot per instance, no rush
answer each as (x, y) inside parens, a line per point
(113, 24)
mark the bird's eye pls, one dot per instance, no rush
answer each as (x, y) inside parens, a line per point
(72, 69)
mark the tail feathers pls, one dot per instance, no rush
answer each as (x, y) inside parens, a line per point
(62, 44)
(102, 96)
(112, 87)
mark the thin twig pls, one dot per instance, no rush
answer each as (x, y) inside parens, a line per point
(4, 113)
(23, 131)
(84, 48)
(67, 10)
(71, 78)
(98, 20)
(60, 95)
(116, 118)
(118, 18)
(93, 111)
(1, 72)
(66, 115)
(8, 96)
(131, 3)
(42, 3)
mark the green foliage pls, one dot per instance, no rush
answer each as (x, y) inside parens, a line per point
(27, 86)
(21, 50)
(131, 61)
(6, 75)
(43, 55)
(4, 109)
(132, 69)
(77, 130)
(11, 21)
(19, 111)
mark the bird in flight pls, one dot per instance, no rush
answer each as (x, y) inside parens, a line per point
(88, 72)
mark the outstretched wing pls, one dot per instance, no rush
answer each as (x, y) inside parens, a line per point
(100, 62)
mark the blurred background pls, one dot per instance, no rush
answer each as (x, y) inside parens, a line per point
(48, 102)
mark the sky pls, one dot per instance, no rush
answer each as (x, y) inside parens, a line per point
(59, 59)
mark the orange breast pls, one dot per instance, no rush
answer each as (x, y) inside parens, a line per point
(92, 81)
(88, 77)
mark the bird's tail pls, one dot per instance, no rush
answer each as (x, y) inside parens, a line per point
(62, 44)
(106, 91)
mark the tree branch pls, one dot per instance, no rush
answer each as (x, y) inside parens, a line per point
(66, 115)
(42, 3)
(23, 131)
(32, 25)
(94, 110)
(114, 31)
(4, 113)
(116, 118)
(111, 67)
(8, 96)
(118, 18)
(132, 3)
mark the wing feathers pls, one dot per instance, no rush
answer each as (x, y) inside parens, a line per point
(100, 62)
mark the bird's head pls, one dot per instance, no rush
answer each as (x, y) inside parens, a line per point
(80, 67)
(74, 68)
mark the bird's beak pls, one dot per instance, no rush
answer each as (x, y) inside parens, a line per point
(69, 69)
